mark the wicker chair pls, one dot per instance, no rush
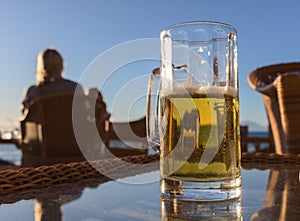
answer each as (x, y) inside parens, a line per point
(279, 85)
(48, 136)
(47, 132)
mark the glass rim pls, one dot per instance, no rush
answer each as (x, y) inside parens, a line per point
(187, 23)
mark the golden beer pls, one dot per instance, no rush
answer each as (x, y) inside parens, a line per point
(200, 141)
(198, 113)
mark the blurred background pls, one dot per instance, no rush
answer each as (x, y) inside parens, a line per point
(268, 33)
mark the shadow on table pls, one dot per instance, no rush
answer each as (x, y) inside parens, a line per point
(282, 199)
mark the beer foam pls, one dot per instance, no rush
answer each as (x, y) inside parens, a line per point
(219, 89)
(181, 89)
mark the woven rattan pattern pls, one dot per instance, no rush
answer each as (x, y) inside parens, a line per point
(28, 183)
(270, 160)
(31, 178)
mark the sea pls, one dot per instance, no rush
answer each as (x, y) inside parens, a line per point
(10, 153)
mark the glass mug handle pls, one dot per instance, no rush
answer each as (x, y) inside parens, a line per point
(152, 111)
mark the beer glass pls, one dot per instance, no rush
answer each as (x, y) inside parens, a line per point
(195, 113)
(192, 210)
(152, 129)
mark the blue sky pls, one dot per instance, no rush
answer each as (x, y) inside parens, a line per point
(268, 33)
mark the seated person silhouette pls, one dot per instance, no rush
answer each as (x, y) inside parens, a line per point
(49, 78)
(47, 126)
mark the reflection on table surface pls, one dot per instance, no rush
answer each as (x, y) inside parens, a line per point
(271, 194)
(282, 198)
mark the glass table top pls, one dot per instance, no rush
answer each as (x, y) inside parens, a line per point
(266, 195)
